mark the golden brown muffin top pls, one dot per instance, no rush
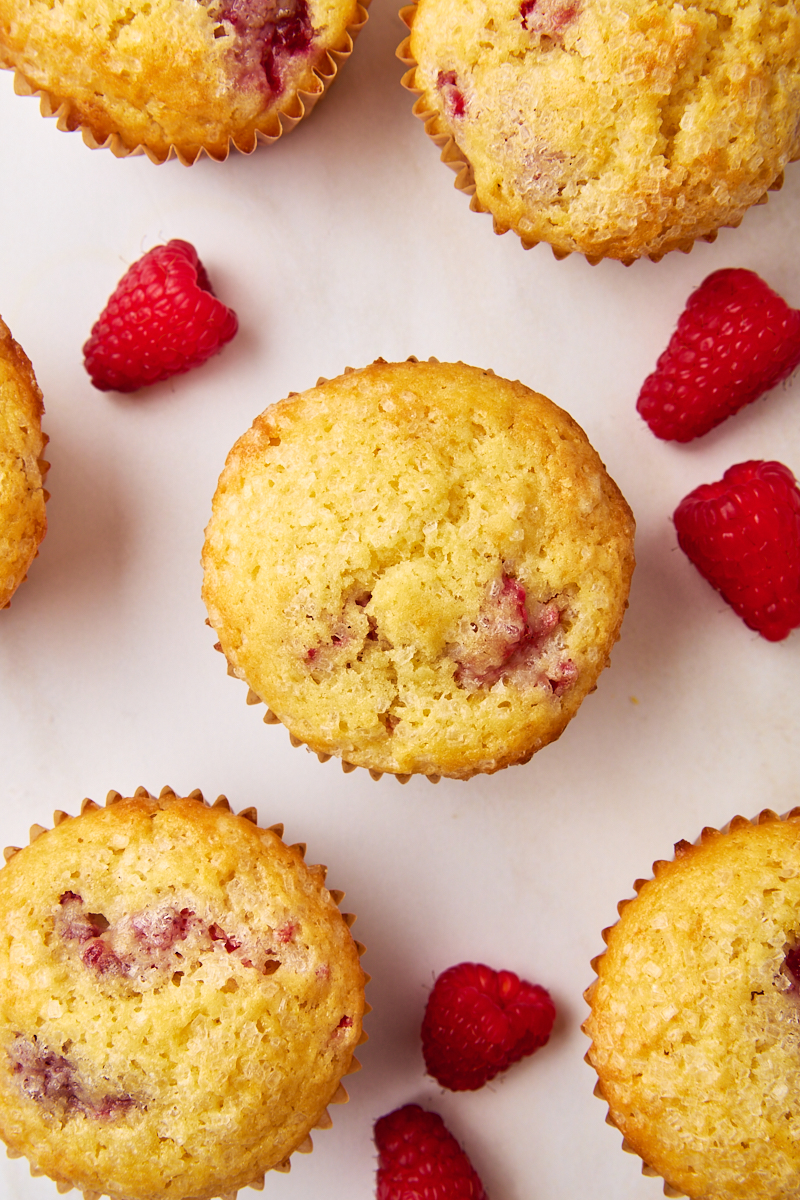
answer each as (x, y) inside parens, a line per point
(185, 76)
(23, 522)
(419, 567)
(179, 998)
(695, 1020)
(618, 128)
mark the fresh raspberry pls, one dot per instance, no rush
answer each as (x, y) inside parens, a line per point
(163, 319)
(478, 1022)
(743, 535)
(735, 340)
(419, 1159)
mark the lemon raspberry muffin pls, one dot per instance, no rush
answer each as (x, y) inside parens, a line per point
(617, 128)
(181, 76)
(23, 521)
(179, 999)
(418, 567)
(695, 1020)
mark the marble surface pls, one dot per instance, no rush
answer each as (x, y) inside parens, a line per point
(344, 242)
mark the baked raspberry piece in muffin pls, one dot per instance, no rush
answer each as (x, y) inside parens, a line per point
(178, 76)
(615, 128)
(418, 567)
(180, 997)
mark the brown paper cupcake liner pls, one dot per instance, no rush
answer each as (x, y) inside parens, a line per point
(340, 1096)
(293, 109)
(453, 156)
(708, 833)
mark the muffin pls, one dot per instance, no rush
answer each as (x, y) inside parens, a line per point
(695, 1015)
(617, 128)
(179, 999)
(177, 76)
(23, 522)
(418, 567)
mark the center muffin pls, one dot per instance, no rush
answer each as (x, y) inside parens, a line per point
(418, 567)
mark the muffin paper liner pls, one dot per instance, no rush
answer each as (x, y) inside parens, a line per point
(291, 111)
(454, 157)
(708, 833)
(340, 1096)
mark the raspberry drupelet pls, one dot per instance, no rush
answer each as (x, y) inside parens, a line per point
(736, 340)
(743, 535)
(419, 1159)
(479, 1021)
(162, 319)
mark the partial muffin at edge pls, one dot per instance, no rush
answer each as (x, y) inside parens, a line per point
(695, 1015)
(180, 77)
(615, 128)
(23, 521)
(418, 567)
(179, 999)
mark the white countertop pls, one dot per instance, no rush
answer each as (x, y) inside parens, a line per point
(343, 242)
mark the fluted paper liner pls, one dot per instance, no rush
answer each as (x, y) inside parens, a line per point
(453, 156)
(708, 833)
(291, 110)
(340, 1096)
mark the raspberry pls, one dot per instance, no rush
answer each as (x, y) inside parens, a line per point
(478, 1022)
(419, 1159)
(163, 319)
(735, 340)
(743, 535)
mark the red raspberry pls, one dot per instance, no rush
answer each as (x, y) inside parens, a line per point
(743, 535)
(163, 319)
(478, 1022)
(419, 1159)
(735, 340)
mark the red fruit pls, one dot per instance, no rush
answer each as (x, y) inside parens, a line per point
(478, 1022)
(419, 1159)
(163, 319)
(735, 340)
(743, 535)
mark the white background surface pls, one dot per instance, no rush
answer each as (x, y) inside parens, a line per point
(343, 242)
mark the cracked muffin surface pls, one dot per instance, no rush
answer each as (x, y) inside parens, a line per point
(695, 1014)
(179, 998)
(178, 75)
(617, 128)
(418, 567)
(23, 521)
